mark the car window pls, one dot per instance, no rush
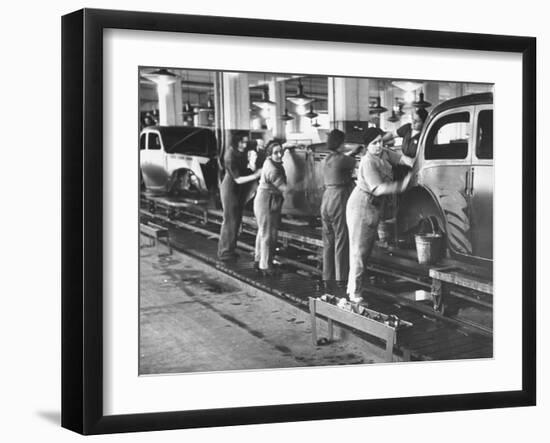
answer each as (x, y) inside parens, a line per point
(154, 141)
(484, 146)
(142, 141)
(191, 141)
(448, 137)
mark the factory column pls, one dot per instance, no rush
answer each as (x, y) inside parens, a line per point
(236, 101)
(348, 104)
(170, 103)
(277, 94)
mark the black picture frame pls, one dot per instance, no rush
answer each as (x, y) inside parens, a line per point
(82, 216)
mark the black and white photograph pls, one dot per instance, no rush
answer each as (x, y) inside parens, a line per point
(291, 220)
(275, 222)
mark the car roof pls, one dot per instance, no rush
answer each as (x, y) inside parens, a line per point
(466, 100)
(181, 129)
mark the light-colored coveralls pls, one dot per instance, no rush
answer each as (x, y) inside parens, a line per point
(337, 176)
(363, 213)
(267, 209)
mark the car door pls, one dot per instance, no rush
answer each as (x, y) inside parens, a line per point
(481, 184)
(142, 157)
(445, 172)
(154, 163)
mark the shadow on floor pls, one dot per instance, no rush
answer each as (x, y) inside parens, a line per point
(54, 417)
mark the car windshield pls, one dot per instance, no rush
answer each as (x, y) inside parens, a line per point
(195, 141)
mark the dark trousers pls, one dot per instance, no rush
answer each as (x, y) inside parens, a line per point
(231, 199)
(335, 233)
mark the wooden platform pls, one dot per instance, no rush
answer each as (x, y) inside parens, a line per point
(363, 320)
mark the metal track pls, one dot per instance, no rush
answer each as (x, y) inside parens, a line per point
(396, 274)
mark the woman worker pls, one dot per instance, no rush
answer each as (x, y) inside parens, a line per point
(366, 204)
(267, 206)
(410, 132)
(233, 194)
(337, 175)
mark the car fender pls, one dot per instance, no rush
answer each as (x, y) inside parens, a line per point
(421, 202)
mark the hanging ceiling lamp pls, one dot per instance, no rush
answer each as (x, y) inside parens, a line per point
(398, 107)
(311, 114)
(395, 115)
(377, 108)
(316, 124)
(264, 102)
(421, 103)
(300, 98)
(286, 116)
(394, 118)
(161, 76)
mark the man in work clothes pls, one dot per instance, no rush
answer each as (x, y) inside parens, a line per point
(233, 194)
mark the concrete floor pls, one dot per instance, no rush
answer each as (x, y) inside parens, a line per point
(194, 319)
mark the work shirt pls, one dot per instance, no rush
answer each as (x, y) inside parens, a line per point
(375, 170)
(273, 177)
(338, 169)
(409, 145)
(236, 165)
(235, 162)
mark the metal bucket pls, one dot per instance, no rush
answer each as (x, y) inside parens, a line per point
(428, 246)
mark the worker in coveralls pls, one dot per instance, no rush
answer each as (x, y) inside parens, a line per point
(267, 207)
(366, 205)
(337, 175)
(410, 133)
(233, 194)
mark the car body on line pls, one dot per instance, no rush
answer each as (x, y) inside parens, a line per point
(304, 171)
(179, 160)
(453, 177)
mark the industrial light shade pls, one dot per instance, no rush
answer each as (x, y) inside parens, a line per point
(394, 118)
(300, 98)
(264, 102)
(161, 76)
(311, 114)
(398, 107)
(286, 116)
(377, 108)
(421, 103)
(316, 124)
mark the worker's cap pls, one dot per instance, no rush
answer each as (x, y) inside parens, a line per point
(371, 134)
(335, 139)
